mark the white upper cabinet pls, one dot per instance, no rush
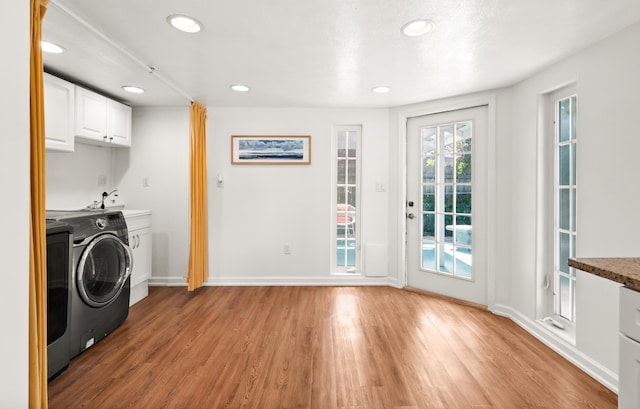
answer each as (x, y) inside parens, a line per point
(100, 120)
(119, 123)
(59, 106)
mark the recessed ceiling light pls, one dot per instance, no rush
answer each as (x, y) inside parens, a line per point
(417, 28)
(52, 48)
(132, 89)
(381, 90)
(240, 88)
(184, 23)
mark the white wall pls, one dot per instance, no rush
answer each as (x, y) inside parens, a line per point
(14, 206)
(262, 207)
(608, 89)
(160, 153)
(73, 177)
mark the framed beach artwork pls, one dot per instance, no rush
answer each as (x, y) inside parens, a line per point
(271, 150)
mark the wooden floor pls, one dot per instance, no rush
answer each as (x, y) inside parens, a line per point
(319, 347)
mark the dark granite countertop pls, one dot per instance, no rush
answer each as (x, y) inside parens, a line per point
(621, 270)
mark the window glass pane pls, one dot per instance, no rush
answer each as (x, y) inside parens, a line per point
(463, 137)
(445, 259)
(446, 139)
(429, 141)
(341, 252)
(341, 144)
(341, 171)
(563, 115)
(563, 158)
(463, 262)
(574, 110)
(463, 234)
(463, 199)
(463, 220)
(428, 255)
(565, 297)
(564, 253)
(564, 208)
(428, 226)
(340, 195)
(351, 164)
(463, 168)
(351, 196)
(351, 253)
(448, 198)
(428, 198)
(449, 164)
(573, 248)
(429, 169)
(352, 143)
(448, 228)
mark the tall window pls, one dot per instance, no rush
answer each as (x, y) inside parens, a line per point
(347, 176)
(446, 192)
(565, 199)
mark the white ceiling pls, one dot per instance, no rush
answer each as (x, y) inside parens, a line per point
(319, 53)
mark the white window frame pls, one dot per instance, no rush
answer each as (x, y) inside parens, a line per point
(335, 268)
(548, 215)
(566, 93)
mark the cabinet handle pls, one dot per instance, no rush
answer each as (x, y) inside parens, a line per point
(111, 138)
(137, 240)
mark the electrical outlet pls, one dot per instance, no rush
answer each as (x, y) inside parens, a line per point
(102, 180)
(146, 181)
(287, 248)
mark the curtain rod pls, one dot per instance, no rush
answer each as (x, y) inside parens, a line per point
(148, 68)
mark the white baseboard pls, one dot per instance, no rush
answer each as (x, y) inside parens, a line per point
(568, 351)
(334, 280)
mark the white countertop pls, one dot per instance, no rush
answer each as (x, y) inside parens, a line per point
(133, 213)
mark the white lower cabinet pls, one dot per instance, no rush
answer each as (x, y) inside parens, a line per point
(629, 376)
(140, 242)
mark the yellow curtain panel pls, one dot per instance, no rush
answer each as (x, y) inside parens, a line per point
(197, 274)
(37, 248)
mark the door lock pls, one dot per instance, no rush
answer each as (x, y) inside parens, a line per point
(410, 203)
(411, 216)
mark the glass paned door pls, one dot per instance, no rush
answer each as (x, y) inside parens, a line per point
(446, 196)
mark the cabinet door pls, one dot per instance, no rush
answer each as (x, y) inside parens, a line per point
(629, 376)
(59, 106)
(140, 243)
(119, 123)
(91, 115)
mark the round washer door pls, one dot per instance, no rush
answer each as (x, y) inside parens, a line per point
(103, 270)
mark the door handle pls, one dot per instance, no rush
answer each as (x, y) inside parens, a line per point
(411, 216)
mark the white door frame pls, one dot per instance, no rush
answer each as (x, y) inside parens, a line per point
(437, 107)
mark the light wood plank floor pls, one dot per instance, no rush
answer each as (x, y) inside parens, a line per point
(319, 347)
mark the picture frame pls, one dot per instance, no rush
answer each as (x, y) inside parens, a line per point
(270, 150)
